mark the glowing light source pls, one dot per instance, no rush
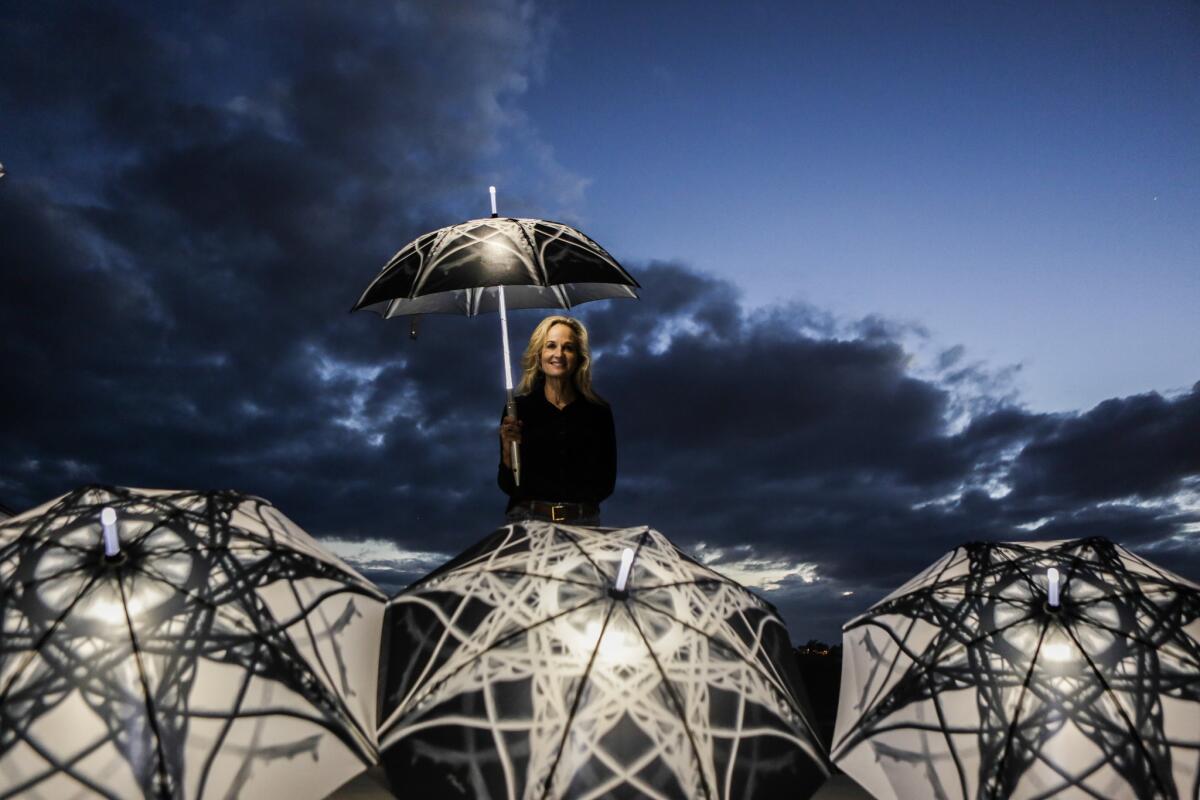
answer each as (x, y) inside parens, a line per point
(108, 521)
(492, 192)
(1058, 651)
(615, 647)
(1052, 578)
(626, 565)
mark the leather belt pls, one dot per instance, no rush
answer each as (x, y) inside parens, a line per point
(561, 512)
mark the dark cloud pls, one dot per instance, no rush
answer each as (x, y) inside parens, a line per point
(193, 205)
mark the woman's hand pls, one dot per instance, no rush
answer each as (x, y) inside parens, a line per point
(510, 431)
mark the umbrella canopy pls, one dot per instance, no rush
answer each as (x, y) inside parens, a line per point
(971, 682)
(541, 264)
(519, 670)
(220, 652)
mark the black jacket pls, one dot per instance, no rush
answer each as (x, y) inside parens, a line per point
(567, 456)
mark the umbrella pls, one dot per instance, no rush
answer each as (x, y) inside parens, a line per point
(1026, 670)
(493, 264)
(545, 662)
(208, 648)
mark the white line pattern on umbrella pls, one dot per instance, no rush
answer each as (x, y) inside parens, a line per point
(592, 662)
(965, 683)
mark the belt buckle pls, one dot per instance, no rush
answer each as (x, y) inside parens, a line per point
(555, 510)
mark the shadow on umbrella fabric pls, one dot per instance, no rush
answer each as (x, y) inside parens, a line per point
(974, 680)
(219, 652)
(521, 670)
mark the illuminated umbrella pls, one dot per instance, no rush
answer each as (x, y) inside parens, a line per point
(522, 669)
(493, 264)
(208, 648)
(1026, 670)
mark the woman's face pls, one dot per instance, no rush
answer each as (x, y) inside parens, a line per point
(560, 353)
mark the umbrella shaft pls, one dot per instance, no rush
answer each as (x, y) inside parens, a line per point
(508, 385)
(510, 404)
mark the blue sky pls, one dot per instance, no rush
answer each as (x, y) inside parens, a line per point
(1019, 178)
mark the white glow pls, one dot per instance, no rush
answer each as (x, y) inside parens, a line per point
(1052, 577)
(492, 192)
(1058, 651)
(108, 521)
(617, 646)
(109, 609)
(626, 564)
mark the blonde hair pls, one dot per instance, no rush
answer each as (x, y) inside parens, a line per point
(531, 361)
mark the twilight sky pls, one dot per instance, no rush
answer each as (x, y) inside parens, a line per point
(914, 275)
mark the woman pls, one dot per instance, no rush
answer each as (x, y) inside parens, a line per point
(568, 446)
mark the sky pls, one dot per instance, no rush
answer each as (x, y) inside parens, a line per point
(913, 275)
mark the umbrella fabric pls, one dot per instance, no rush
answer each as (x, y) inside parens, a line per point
(541, 264)
(514, 672)
(223, 653)
(966, 683)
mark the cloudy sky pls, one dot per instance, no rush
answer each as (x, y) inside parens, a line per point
(913, 275)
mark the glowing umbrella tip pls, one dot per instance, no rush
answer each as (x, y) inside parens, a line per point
(492, 192)
(108, 521)
(626, 564)
(1052, 579)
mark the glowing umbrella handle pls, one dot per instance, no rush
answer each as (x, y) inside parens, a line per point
(510, 405)
(1052, 578)
(108, 521)
(626, 564)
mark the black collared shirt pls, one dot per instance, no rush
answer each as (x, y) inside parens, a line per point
(567, 455)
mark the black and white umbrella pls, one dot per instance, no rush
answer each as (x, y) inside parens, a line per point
(180, 644)
(1065, 669)
(491, 265)
(553, 661)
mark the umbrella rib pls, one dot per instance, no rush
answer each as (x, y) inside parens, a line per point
(773, 680)
(524, 574)
(1120, 710)
(44, 638)
(151, 715)
(216, 607)
(603, 575)
(679, 709)
(56, 766)
(737, 741)
(575, 703)
(937, 707)
(900, 648)
(696, 582)
(1012, 727)
(489, 702)
(234, 713)
(501, 641)
(537, 259)
(365, 745)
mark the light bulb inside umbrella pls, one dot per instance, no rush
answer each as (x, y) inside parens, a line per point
(108, 521)
(616, 646)
(1052, 580)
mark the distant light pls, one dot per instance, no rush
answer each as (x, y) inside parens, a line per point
(847, 594)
